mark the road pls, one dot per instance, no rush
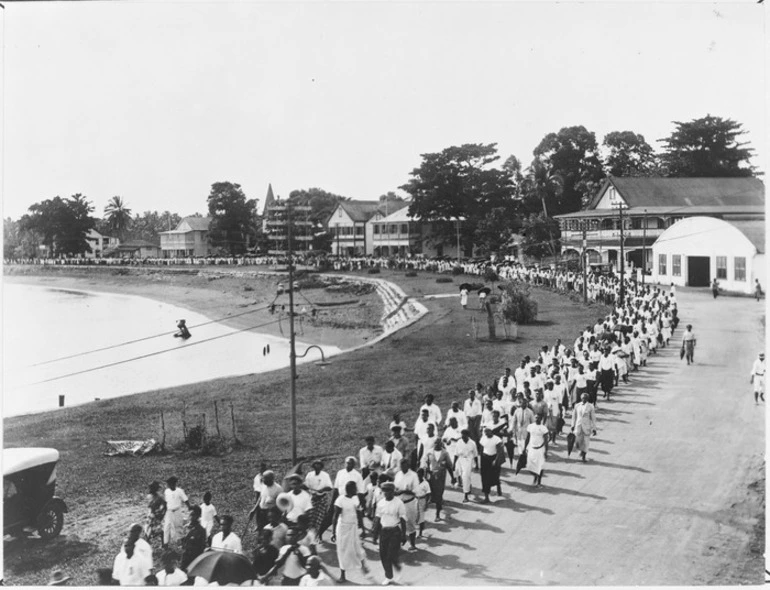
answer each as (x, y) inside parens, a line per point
(664, 499)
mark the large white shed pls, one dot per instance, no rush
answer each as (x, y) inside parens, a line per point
(696, 250)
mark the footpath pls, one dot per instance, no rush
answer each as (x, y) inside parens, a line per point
(672, 492)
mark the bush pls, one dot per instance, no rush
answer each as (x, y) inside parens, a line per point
(215, 446)
(195, 437)
(490, 275)
(374, 270)
(411, 273)
(445, 280)
(312, 282)
(516, 303)
(457, 270)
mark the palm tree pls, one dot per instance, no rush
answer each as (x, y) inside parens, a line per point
(118, 216)
(544, 182)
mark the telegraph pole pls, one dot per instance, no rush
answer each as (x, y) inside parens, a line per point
(622, 260)
(584, 258)
(644, 246)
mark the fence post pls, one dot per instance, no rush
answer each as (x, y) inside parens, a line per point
(216, 418)
(184, 419)
(163, 427)
(232, 416)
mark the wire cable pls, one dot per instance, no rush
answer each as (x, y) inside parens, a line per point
(150, 354)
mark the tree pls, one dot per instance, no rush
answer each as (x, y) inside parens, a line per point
(391, 202)
(572, 154)
(707, 147)
(149, 224)
(322, 203)
(541, 236)
(118, 216)
(232, 217)
(629, 155)
(495, 230)
(516, 303)
(540, 186)
(459, 183)
(61, 223)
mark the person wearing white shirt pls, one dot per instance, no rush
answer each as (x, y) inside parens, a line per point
(266, 499)
(466, 454)
(208, 514)
(607, 372)
(391, 459)
(226, 539)
(407, 482)
(170, 575)
(520, 375)
(457, 414)
(129, 568)
(758, 377)
(506, 384)
(491, 445)
(421, 426)
(452, 435)
(425, 443)
(472, 410)
(390, 530)
(301, 501)
(173, 522)
(369, 457)
(349, 473)
(434, 413)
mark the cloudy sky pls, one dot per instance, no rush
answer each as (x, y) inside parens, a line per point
(155, 101)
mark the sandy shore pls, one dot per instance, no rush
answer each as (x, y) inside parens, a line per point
(237, 301)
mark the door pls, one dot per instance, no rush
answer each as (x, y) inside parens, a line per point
(698, 271)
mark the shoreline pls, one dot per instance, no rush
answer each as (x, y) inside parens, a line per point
(224, 297)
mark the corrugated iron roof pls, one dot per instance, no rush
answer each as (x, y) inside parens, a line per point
(360, 210)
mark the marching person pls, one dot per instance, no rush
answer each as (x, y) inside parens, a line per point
(466, 453)
(369, 457)
(226, 538)
(758, 377)
(173, 523)
(390, 530)
(536, 446)
(438, 464)
(583, 425)
(348, 521)
(491, 446)
(407, 484)
(688, 344)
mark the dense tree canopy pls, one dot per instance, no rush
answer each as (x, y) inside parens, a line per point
(459, 182)
(322, 203)
(149, 224)
(233, 217)
(628, 154)
(572, 154)
(62, 224)
(707, 147)
(540, 186)
(541, 236)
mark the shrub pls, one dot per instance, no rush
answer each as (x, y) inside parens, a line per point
(215, 446)
(457, 270)
(516, 303)
(445, 280)
(411, 273)
(195, 437)
(311, 282)
(374, 270)
(490, 275)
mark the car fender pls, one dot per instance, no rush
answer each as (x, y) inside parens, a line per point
(57, 502)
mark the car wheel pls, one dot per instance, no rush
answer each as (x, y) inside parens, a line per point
(50, 522)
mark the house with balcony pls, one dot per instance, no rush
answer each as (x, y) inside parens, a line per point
(189, 238)
(647, 207)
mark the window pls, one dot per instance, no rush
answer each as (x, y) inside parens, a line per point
(662, 264)
(721, 267)
(404, 228)
(376, 228)
(393, 229)
(359, 230)
(676, 265)
(740, 268)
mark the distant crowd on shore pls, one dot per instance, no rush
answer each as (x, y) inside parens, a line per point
(385, 490)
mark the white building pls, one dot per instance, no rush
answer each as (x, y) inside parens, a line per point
(99, 243)
(696, 250)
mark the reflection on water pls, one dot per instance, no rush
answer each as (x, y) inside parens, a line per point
(42, 326)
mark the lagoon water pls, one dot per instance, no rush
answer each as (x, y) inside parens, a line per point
(43, 325)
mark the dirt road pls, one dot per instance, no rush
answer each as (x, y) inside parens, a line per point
(671, 495)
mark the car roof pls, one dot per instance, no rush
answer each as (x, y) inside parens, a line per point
(15, 460)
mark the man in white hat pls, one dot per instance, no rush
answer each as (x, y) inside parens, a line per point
(758, 377)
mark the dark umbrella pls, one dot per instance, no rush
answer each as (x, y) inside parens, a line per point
(522, 462)
(466, 286)
(570, 443)
(485, 290)
(223, 567)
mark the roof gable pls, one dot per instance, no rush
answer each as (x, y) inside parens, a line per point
(194, 224)
(360, 211)
(683, 192)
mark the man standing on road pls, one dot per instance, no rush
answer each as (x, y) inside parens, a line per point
(583, 425)
(466, 452)
(688, 344)
(390, 529)
(607, 372)
(758, 378)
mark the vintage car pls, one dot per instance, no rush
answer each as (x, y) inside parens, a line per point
(29, 485)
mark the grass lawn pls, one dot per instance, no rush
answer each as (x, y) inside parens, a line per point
(337, 406)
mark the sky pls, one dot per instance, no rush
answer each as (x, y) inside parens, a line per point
(156, 101)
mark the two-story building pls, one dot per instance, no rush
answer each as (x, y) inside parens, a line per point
(189, 238)
(400, 234)
(99, 243)
(649, 207)
(347, 225)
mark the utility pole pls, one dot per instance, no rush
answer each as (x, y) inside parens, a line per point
(644, 246)
(584, 258)
(282, 217)
(458, 241)
(622, 259)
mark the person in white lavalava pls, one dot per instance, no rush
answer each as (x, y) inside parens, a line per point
(173, 523)
(583, 425)
(466, 452)
(688, 344)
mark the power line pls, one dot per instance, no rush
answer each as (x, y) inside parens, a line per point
(150, 354)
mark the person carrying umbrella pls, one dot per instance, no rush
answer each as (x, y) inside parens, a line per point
(583, 425)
